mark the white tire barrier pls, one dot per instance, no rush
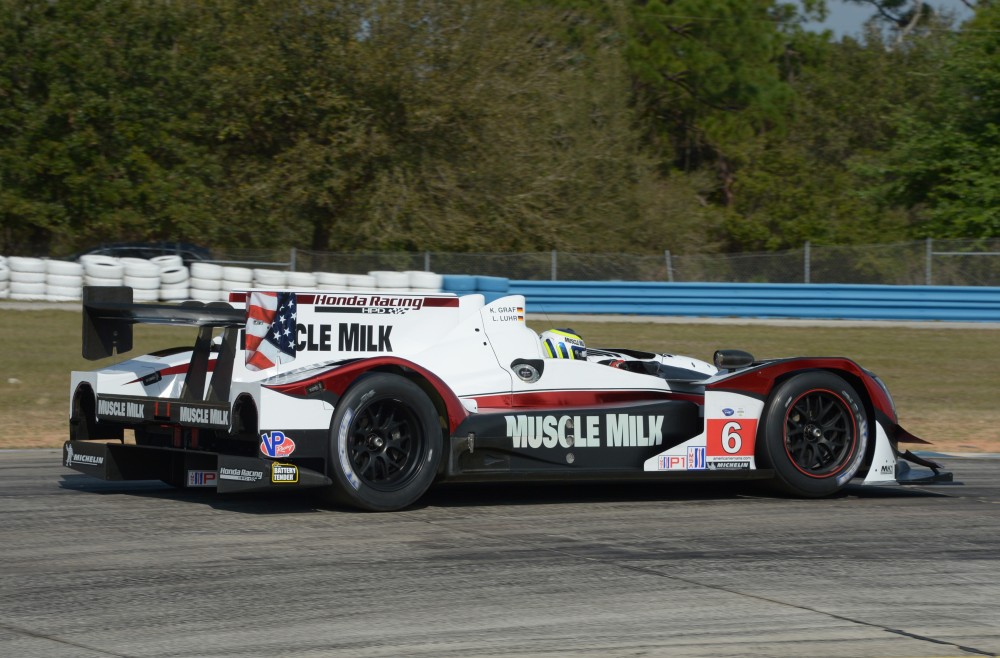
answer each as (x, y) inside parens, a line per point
(104, 269)
(145, 295)
(96, 258)
(166, 278)
(100, 281)
(301, 280)
(330, 279)
(65, 280)
(174, 274)
(20, 264)
(140, 268)
(173, 294)
(63, 268)
(63, 293)
(206, 271)
(170, 260)
(198, 283)
(418, 280)
(386, 279)
(237, 274)
(268, 278)
(360, 282)
(24, 288)
(142, 282)
(204, 295)
(27, 277)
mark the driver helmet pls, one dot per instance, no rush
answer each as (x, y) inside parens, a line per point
(563, 344)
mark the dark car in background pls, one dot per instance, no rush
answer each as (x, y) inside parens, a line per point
(189, 252)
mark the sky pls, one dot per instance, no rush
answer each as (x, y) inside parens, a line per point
(846, 18)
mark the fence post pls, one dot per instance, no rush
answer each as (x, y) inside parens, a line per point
(291, 260)
(805, 257)
(670, 265)
(928, 259)
(555, 266)
(427, 261)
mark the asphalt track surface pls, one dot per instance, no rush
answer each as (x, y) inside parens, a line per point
(136, 569)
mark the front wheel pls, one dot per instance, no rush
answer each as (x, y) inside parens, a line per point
(815, 434)
(385, 444)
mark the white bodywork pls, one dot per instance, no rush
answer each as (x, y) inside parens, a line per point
(471, 346)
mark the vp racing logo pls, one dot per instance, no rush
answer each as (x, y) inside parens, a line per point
(276, 444)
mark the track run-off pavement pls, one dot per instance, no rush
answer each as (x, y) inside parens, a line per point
(98, 568)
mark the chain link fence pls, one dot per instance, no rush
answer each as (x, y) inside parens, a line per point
(926, 262)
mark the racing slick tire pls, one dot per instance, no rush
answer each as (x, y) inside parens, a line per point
(385, 444)
(815, 434)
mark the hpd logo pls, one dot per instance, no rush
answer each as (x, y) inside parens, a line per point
(276, 444)
(202, 478)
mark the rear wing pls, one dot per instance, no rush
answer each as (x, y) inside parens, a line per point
(109, 313)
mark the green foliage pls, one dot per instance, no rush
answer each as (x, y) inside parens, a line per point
(706, 77)
(688, 125)
(810, 181)
(944, 166)
(95, 141)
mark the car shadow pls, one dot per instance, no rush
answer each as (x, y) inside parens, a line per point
(262, 502)
(463, 495)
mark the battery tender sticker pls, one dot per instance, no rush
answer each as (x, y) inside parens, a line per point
(284, 473)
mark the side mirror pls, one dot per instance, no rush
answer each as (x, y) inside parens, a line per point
(732, 359)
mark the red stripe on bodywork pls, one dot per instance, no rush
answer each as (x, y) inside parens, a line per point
(557, 399)
(175, 370)
(760, 381)
(441, 302)
(340, 379)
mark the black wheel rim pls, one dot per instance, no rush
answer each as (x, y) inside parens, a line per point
(385, 444)
(820, 433)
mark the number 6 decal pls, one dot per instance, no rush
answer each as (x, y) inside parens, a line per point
(731, 439)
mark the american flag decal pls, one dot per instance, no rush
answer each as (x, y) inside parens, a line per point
(270, 329)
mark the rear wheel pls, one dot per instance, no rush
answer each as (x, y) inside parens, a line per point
(385, 444)
(815, 434)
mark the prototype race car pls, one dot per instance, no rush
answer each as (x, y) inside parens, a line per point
(375, 396)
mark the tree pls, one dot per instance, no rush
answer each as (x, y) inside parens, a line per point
(706, 77)
(95, 140)
(394, 125)
(943, 167)
(813, 181)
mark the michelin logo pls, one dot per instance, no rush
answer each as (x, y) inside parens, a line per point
(82, 459)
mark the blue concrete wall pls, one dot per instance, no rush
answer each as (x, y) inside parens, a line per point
(751, 300)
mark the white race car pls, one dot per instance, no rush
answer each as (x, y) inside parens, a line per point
(375, 396)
